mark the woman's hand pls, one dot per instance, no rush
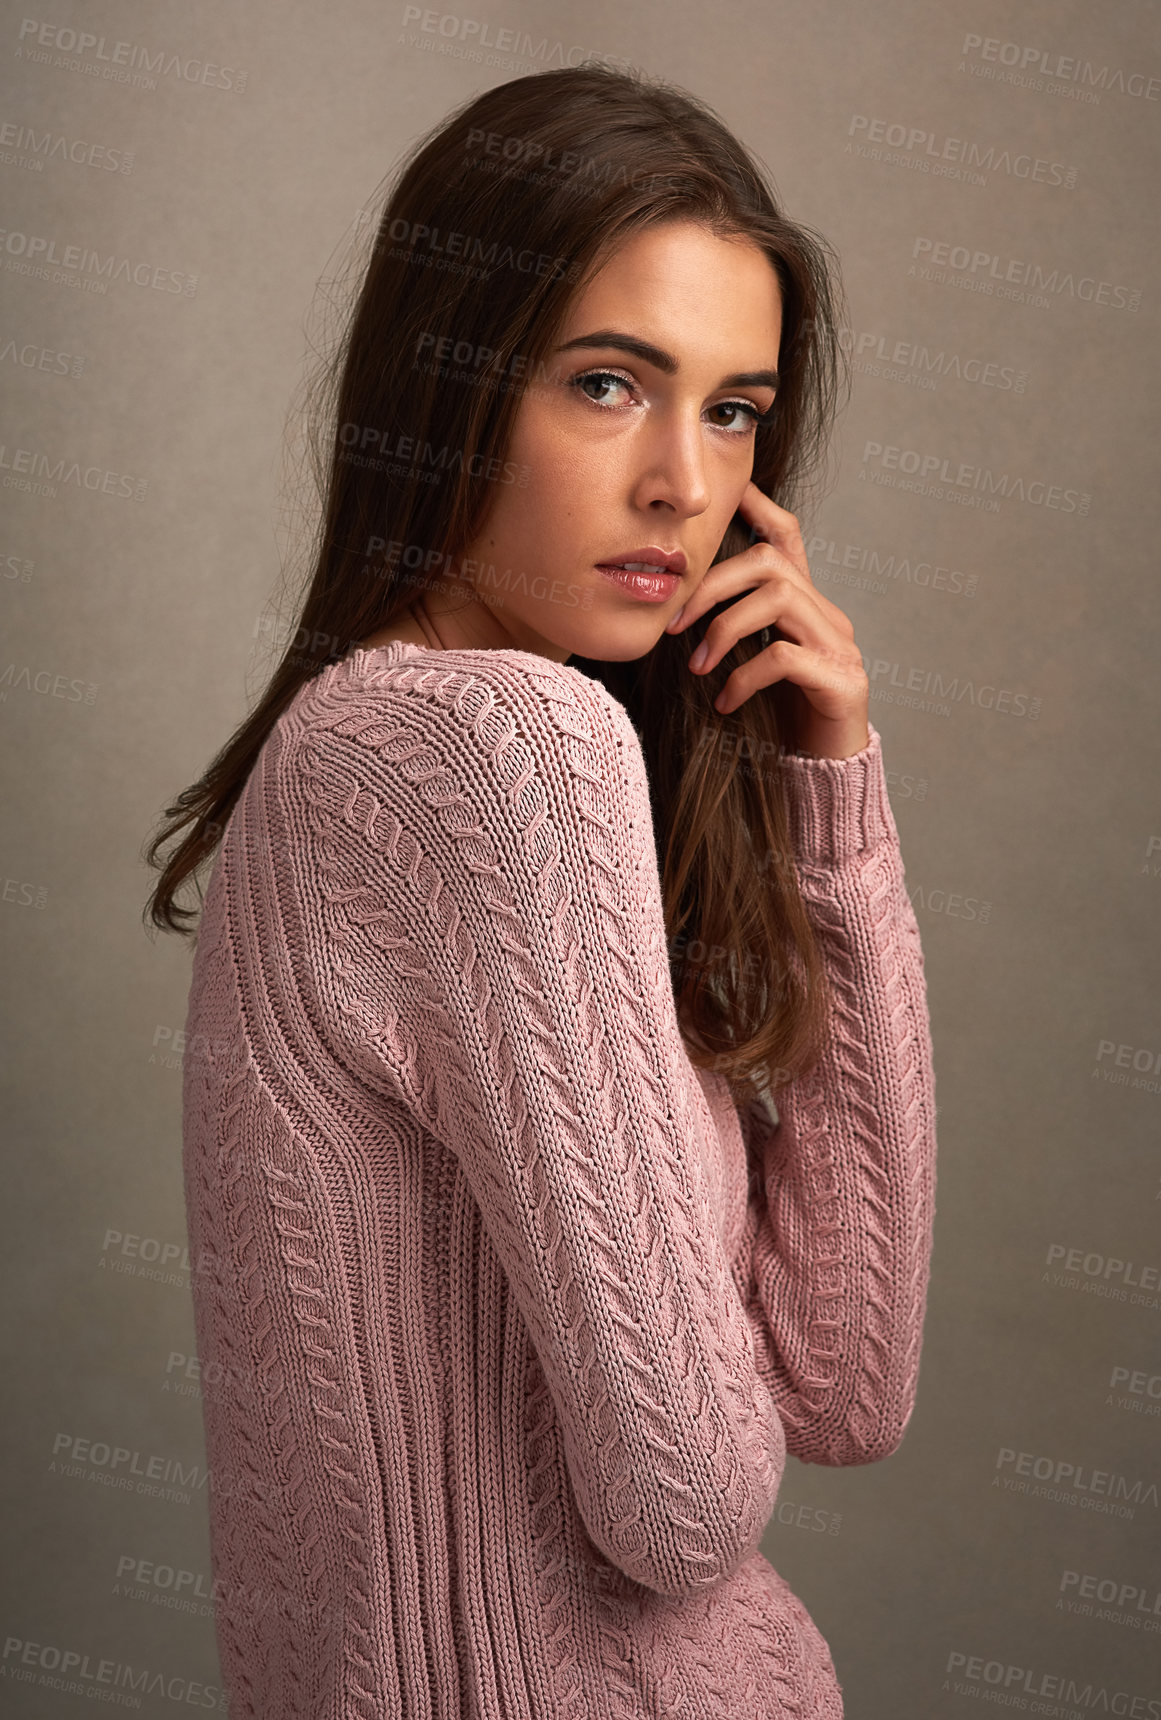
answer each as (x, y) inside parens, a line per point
(818, 652)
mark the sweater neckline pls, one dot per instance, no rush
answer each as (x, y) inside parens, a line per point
(393, 648)
(361, 655)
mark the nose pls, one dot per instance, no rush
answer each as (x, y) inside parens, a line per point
(672, 473)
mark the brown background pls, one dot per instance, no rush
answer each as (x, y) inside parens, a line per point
(1013, 654)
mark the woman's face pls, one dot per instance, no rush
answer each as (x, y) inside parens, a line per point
(636, 438)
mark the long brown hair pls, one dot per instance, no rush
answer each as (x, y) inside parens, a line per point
(493, 222)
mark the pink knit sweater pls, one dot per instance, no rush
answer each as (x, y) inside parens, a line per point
(507, 1317)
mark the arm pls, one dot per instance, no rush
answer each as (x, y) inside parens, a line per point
(834, 1261)
(485, 854)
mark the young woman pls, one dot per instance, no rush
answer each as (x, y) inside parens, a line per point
(513, 1289)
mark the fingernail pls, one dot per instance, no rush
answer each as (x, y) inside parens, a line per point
(699, 656)
(674, 619)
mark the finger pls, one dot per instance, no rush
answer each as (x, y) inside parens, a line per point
(777, 525)
(761, 562)
(727, 578)
(781, 529)
(836, 686)
(778, 603)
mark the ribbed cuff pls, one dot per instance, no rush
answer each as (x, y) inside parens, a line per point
(839, 806)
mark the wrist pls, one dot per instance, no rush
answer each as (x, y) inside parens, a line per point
(839, 741)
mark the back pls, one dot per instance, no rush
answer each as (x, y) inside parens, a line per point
(491, 1424)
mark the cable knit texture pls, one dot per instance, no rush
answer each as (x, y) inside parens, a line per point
(507, 1316)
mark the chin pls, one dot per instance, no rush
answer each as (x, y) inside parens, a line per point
(619, 643)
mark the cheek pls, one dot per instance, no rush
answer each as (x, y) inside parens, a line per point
(564, 470)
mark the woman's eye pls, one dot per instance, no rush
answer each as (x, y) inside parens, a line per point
(600, 386)
(599, 379)
(744, 414)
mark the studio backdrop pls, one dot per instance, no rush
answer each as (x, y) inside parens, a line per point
(179, 186)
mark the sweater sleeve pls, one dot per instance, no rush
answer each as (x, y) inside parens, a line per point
(486, 855)
(834, 1261)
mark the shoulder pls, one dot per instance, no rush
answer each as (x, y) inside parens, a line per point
(480, 724)
(466, 690)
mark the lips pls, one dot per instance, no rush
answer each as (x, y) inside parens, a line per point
(651, 559)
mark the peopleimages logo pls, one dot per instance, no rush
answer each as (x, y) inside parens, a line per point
(843, 563)
(76, 1672)
(1136, 1066)
(976, 486)
(30, 355)
(1139, 1387)
(125, 1470)
(416, 242)
(921, 366)
(28, 680)
(479, 40)
(1105, 1267)
(31, 148)
(34, 470)
(1130, 1605)
(1033, 63)
(33, 254)
(967, 1672)
(930, 689)
(918, 141)
(1065, 1483)
(123, 62)
(991, 273)
(1062, 1473)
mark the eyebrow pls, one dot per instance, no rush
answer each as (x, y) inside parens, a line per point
(665, 361)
